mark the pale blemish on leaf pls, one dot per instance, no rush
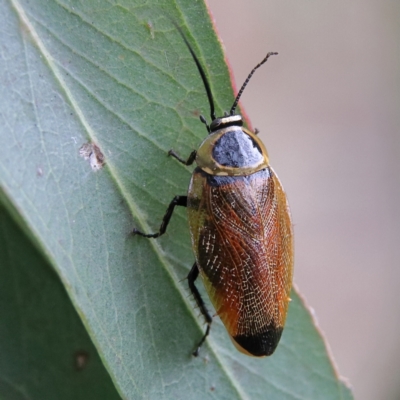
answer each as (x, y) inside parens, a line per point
(150, 27)
(92, 153)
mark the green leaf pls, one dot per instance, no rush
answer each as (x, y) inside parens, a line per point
(45, 350)
(117, 74)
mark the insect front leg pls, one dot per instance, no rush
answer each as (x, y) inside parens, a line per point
(190, 159)
(193, 274)
(176, 201)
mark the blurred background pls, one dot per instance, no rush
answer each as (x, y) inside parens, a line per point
(328, 110)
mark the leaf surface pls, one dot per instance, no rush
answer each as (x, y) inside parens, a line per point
(45, 350)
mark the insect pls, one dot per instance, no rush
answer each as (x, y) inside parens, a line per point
(241, 230)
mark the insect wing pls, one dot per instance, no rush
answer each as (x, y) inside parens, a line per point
(243, 241)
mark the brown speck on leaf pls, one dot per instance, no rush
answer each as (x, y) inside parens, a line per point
(196, 113)
(81, 359)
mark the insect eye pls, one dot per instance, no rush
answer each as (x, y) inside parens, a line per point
(236, 149)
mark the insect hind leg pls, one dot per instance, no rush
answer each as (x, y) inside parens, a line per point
(176, 201)
(193, 274)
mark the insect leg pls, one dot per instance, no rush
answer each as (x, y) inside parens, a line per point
(193, 274)
(176, 201)
(203, 120)
(190, 159)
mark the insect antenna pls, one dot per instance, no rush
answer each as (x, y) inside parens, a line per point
(247, 81)
(202, 73)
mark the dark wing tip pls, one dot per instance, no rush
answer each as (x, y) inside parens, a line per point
(261, 344)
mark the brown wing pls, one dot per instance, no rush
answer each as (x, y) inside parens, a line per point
(242, 238)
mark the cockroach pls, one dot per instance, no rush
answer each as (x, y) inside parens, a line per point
(241, 230)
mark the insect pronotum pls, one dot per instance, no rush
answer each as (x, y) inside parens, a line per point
(241, 230)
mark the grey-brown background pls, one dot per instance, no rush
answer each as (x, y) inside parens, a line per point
(328, 108)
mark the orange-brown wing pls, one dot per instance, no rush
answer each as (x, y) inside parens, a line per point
(243, 241)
